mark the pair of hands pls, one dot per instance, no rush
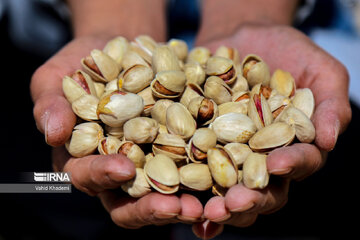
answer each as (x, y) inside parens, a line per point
(281, 47)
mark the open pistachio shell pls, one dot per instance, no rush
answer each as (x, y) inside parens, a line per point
(221, 67)
(196, 177)
(141, 130)
(138, 186)
(304, 100)
(222, 167)
(164, 59)
(170, 145)
(145, 46)
(84, 139)
(228, 52)
(204, 110)
(192, 90)
(106, 67)
(149, 101)
(255, 70)
(168, 84)
(202, 140)
(233, 127)
(85, 107)
(216, 89)
(233, 107)
(241, 96)
(133, 152)
(132, 58)
(259, 111)
(283, 82)
(109, 145)
(158, 112)
(255, 174)
(275, 135)
(116, 49)
(304, 128)
(162, 174)
(194, 73)
(239, 151)
(137, 78)
(100, 88)
(117, 132)
(77, 85)
(277, 104)
(179, 121)
(179, 47)
(200, 55)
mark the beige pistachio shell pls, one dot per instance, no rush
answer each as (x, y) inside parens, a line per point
(162, 174)
(179, 121)
(216, 89)
(194, 73)
(233, 127)
(118, 107)
(217, 190)
(304, 128)
(77, 85)
(164, 59)
(275, 135)
(132, 58)
(228, 52)
(277, 104)
(141, 130)
(137, 78)
(259, 111)
(149, 101)
(204, 110)
(137, 187)
(196, 177)
(255, 175)
(222, 167)
(202, 140)
(240, 84)
(133, 152)
(158, 112)
(170, 145)
(116, 48)
(172, 81)
(233, 107)
(240, 176)
(192, 90)
(84, 139)
(149, 156)
(221, 67)
(179, 47)
(163, 128)
(283, 82)
(266, 91)
(109, 145)
(85, 107)
(114, 85)
(241, 96)
(100, 88)
(304, 100)
(255, 70)
(107, 66)
(200, 55)
(117, 132)
(239, 151)
(145, 46)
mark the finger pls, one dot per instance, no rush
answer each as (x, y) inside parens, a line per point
(296, 161)
(153, 208)
(207, 229)
(191, 209)
(95, 173)
(215, 210)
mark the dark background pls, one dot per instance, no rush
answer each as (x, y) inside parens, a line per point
(321, 206)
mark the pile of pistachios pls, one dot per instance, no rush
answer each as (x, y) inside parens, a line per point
(187, 119)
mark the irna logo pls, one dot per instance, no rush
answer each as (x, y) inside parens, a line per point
(51, 177)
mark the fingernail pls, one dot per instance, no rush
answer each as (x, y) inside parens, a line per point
(336, 129)
(243, 208)
(164, 215)
(121, 175)
(45, 123)
(189, 219)
(280, 171)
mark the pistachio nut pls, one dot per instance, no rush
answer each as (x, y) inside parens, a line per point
(85, 107)
(255, 70)
(117, 107)
(77, 85)
(304, 128)
(109, 145)
(194, 73)
(304, 100)
(84, 139)
(233, 107)
(116, 48)
(141, 130)
(192, 90)
(273, 136)
(100, 66)
(259, 111)
(216, 89)
(204, 110)
(233, 127)
(239, 151)
(202, 140)
(283, 82)
(266, 91)
(222, 167)
(179, 121)
(199, 54)
(179, 47)
(196, 176)
(170, 145)
(241, 96)
(221, 67)
(277, 104)
(133, 152)
(137, 78)
(158, 112)
(164, 59)
(149, 101)
(162, 174)
(137, 187)
(168, 84)
(255, 174)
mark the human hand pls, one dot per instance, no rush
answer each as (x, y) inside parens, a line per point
(286, 48)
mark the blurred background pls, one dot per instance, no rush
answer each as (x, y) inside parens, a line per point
(322, 206)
